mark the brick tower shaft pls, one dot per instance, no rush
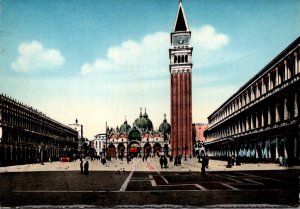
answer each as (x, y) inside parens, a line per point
(181, 86)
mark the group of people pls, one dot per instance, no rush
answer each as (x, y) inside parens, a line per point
(84, 168)
(177, 161)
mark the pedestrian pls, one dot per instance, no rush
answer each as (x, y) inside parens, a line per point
(206, 160)
(128, 159)
(165, 162)
(203, 165)
(86, 168)
(175, 160)
(161, 161)
(81, 167)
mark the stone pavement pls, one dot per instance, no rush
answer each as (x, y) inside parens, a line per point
(152, 164)
(146, 185)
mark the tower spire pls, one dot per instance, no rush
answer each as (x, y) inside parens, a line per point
(180, 22)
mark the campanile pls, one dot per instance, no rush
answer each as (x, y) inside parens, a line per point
(180, 54)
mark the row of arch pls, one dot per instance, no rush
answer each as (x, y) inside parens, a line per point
(274, 77)
(181, 59)
(268, 149)
(135, 149)
(11, 155)
(267, 113)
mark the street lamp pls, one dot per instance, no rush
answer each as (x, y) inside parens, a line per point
(185, 148)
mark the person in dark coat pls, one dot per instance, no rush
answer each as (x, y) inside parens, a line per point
(161, 162)
(165, 162)
(81, 167)
(86, 168)
(203, 166)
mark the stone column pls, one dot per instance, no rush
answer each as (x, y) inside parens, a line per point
(286, 110)
(247, 123)
(256, 119)
(257, 90)
(296, 105)
(276, 112)
(276, 154)
(284, 148)
(297, 63)
(269, 79)
(262, 118)
(263, 87)
(286, 74)
(269, 115)
(277, 77)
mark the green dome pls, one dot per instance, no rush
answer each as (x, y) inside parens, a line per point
(124, 127)
(165, 126)
(143, 122)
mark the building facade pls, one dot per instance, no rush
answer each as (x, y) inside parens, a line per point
(140, 140)
(27, 135)
(99, 143)
(180, 55)
(198, 137)
(260, 121)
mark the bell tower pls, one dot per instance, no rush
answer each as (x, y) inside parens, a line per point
(180, 55)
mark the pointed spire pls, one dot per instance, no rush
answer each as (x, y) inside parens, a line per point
(180, 22)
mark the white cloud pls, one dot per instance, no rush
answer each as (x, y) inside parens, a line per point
(33, 57)
(207, 38)
(150, 55)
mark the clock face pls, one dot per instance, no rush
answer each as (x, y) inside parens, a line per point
(181, 40)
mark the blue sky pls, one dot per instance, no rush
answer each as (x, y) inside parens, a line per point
(99, 60)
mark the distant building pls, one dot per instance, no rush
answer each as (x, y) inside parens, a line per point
(198, 131)
(198, 137)
(79, 128)
(260, 122)
(27, 135)
(99, 143)
(139, 140)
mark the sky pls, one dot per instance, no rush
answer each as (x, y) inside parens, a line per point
(101, 61)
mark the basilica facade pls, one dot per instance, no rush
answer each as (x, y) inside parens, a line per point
(139, 140)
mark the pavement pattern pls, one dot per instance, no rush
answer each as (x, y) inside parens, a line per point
(145, 184)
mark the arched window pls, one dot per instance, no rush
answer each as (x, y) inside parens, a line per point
(186, 58)
(182, 58)
(179, 59)
(175, 59)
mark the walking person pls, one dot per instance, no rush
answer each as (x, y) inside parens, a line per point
(161, 161)
(165, 162)
(81, 166)
(86, 168)
(203, 166)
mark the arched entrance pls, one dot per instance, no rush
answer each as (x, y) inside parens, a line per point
(111, 152)
(121, 150)
(134, 149)
(156, 149)
(147, 150)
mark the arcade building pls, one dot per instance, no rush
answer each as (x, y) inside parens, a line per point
(28, 136)
(139, 140)
(260, 122)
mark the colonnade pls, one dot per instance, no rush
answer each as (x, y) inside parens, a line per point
(261, 120)
(27, 135)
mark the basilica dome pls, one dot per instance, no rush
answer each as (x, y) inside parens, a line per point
(124, 127)
(165, 126)
(143, 122)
